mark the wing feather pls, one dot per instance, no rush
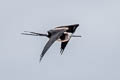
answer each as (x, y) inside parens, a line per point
(71, 28)
(63, 46)
(52, 39)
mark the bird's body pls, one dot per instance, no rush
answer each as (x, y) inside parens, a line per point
(61, 33)
(65, 37)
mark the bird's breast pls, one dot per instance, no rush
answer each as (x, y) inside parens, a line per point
(65, 37)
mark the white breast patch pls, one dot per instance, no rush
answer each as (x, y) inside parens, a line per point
(67, 37)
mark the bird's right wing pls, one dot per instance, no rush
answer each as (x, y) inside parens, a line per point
(52, 39)
(71, 28)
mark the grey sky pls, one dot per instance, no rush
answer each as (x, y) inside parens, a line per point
(95, 56)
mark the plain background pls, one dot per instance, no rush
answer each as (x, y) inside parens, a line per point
(95, 56)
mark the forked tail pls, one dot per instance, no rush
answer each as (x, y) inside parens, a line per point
(33, 33)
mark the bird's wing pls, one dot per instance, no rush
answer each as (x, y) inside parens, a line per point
(63, 45)
(52, 39)
(71, 28)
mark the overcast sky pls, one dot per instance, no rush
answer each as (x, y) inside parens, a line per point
(95, 56)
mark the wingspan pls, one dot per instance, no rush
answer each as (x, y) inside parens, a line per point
(52, 39)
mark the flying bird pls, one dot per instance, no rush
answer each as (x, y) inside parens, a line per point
(61, 33)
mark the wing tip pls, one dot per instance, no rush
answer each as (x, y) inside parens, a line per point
(61, 51)
(40, 60)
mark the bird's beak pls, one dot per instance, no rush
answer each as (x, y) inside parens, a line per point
(76, 36)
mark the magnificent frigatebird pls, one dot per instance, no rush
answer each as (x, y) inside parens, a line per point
(61, 33)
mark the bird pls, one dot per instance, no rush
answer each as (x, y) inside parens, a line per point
(62, 34)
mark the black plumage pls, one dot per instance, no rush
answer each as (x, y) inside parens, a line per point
(61, 33)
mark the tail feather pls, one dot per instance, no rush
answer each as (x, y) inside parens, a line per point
(33, 33)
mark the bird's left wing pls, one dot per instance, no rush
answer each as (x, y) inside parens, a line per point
(52, 39)
(63, 45)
